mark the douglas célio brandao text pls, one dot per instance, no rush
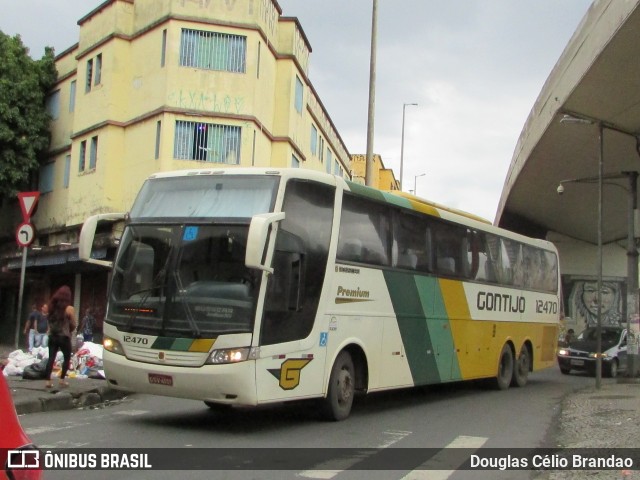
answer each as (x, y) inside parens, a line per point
(572, 461)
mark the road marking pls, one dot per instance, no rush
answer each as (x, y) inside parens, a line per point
(333, 467)
(431, 472)
(131, 413)
(55, 428)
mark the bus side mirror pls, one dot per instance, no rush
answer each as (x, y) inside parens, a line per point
(88, 233)
(257, 239)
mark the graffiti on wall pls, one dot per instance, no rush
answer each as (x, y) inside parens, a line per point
(209, 101)
(583, 303)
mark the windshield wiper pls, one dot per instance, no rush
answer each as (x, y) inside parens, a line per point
(158, 281)
(187, 308)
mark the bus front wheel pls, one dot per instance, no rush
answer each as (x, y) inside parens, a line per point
(337, 405)
(505, 368)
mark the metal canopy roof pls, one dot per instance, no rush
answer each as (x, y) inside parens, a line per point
(597, 77)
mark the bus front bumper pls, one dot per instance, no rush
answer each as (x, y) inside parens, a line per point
(231, 384)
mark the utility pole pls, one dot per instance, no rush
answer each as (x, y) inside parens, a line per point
(368, 176)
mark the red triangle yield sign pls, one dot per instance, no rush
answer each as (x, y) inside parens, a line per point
(28, 202)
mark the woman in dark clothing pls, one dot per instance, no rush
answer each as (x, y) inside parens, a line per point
(62, 323)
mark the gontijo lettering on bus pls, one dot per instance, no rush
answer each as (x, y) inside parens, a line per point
(500, 302)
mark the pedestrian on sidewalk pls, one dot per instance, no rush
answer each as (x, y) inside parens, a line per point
(86, 325)
(30, 326)
(62, 323)
(42, 327)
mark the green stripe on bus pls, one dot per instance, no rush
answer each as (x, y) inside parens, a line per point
(162, 343)
(440, 328)
(175, 344)
(397, 200)
(366, 191)
(411, 304)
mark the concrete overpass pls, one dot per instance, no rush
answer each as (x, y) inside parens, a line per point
(596, 79)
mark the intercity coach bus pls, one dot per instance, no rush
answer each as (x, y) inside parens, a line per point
(255, 286)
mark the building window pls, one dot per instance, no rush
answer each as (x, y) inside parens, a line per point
(53, 105)
(207, 142)
(98, 74)
(299, 94)
(83, 156)
(295, 163)
(213, 51)
(72, 96)
(258, 66)
(158, 131)
(314, 140)
(93, 154)
(89, 75)
(67, 171)
(336, 169)
(321, 150)
(329, 161)
(163, 53)
(45, 183)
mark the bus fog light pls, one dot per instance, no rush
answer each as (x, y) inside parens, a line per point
(112, 345)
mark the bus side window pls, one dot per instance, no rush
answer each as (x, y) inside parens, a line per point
(369, 223)
(410, 245)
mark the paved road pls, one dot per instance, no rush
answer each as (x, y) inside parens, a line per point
(464, 415)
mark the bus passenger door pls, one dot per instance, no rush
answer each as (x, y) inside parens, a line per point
(291, 361)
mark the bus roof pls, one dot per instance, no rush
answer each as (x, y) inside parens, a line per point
(394, 197)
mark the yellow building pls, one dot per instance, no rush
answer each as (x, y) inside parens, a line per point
(383, 178)
(156, 85)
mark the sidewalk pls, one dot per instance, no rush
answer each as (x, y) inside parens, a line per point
(608, 418)
(30, 396)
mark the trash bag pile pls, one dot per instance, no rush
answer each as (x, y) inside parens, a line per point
(85, 363)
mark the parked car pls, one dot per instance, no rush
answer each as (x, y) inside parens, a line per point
(581, 353)
(13, 437)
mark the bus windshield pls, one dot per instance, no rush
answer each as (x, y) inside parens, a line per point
(205, 196)
(183, 281)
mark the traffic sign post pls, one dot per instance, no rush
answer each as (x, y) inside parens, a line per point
(25, 234)
(24, 237)
(28, 201)
(20, 295)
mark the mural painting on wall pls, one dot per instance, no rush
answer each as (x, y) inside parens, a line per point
(583, 304)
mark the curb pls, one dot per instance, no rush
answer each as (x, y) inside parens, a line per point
(628, 380)
(57, 400)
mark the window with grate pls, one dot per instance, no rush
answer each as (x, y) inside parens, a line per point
(213, 51)
(207, 142)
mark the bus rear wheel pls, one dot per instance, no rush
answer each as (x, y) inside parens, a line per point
(521, 368)
(337, 405)
(505, 368)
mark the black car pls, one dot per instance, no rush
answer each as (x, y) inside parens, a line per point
(581, 353)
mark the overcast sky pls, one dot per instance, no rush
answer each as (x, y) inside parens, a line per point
(474, 67)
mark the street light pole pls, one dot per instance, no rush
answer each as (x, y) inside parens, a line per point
(368, 174)
(632, 252)
(599, 319)
(632, 271)
(404, 106)
(415, 183)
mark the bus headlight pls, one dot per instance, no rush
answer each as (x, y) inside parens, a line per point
(232, 355)
(112, 345)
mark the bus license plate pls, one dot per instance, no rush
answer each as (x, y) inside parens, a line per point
(159, 379)
(577, 363)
